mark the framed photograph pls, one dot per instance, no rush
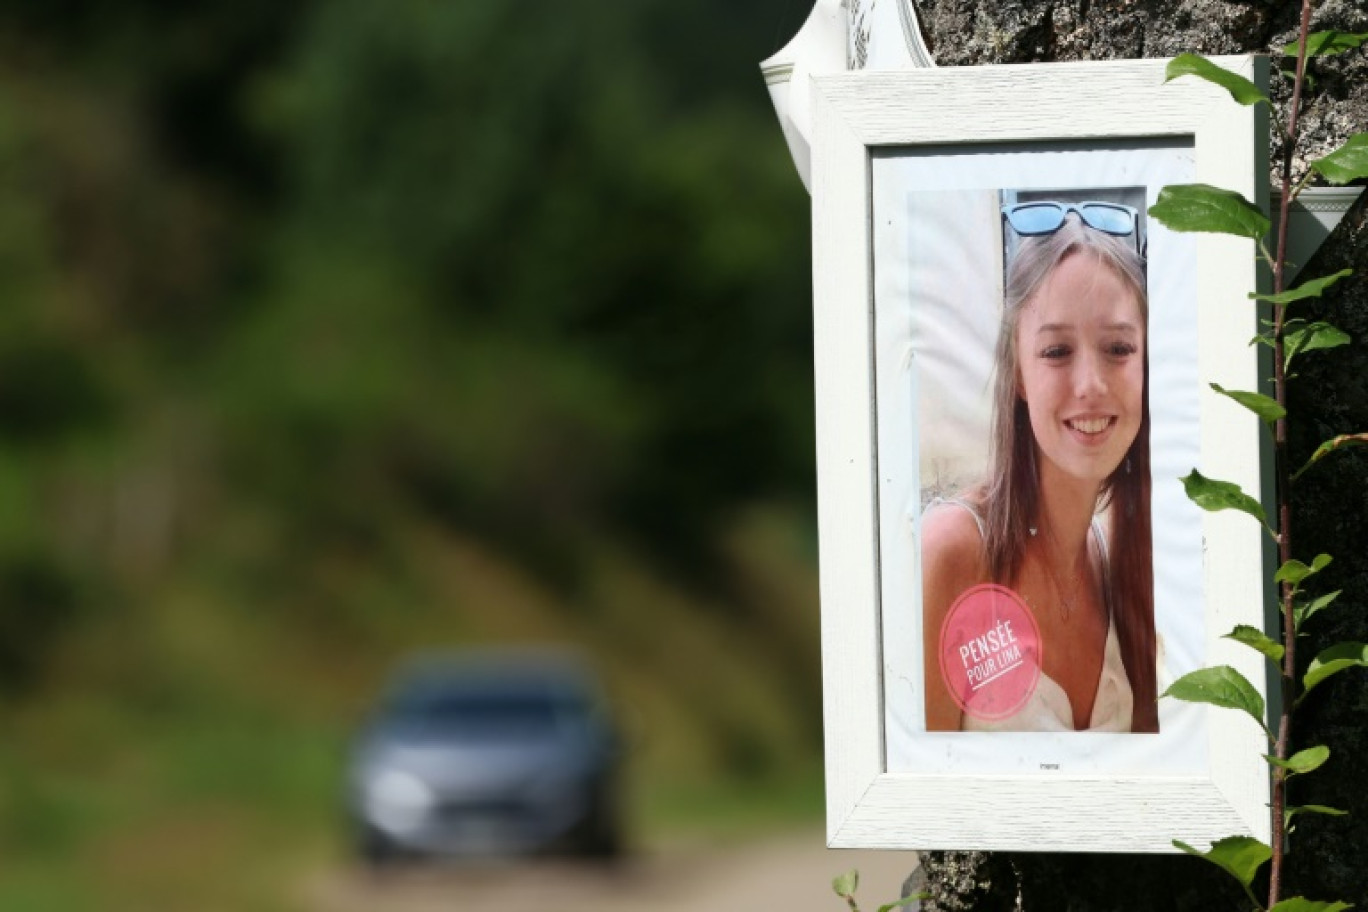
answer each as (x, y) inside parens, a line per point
(1013, 365)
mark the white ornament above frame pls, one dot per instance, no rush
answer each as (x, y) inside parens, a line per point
(890, 146)
(838, 36)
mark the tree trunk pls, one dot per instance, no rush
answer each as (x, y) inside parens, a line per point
(1330, 503)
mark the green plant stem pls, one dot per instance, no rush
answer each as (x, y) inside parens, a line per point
(1289, 667)
(1268, 257)
(1301, 184)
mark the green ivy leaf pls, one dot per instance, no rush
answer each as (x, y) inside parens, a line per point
(1329, 447)
(1311, 337)
(1324, 44)
(1239, 856)
(1256, 639)
(845, 884)
(1220, 686)
(1212, 495)
(1302, 611)
(1302, 761)
(1293, 810)
(1332, 661)
(1297, 904)
(1294, 571)
(1307, 77)
(1267, 409)
(1202, 207)
(1240, 89)
(1312, 289)
(1348, 162)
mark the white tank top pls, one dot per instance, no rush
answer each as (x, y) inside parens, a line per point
(1048, 707)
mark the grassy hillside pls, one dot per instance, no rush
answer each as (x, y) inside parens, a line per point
(198, 765)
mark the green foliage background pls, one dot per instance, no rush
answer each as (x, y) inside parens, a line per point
(330, 330)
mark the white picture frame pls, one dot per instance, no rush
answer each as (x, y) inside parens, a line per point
(1130, 805)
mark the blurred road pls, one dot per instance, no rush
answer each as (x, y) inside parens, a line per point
(789, 873)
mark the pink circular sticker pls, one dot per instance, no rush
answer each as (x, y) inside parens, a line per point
(990, 652)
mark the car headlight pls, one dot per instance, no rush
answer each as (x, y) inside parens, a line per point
(396, 800)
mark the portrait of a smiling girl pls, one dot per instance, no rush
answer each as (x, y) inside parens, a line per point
(1062, 514)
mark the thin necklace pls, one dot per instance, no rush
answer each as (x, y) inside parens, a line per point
(1067, 600)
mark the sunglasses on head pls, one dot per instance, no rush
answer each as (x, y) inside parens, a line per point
(1033, 219)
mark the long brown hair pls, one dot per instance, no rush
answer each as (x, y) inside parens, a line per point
(1011, 492)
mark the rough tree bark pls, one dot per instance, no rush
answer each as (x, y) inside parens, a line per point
(1330, 502)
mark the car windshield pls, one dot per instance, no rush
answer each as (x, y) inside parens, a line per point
(486, 711)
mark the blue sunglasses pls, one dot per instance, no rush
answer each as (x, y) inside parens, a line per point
(1039, 218)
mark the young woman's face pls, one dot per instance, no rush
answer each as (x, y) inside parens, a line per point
(1081, 362)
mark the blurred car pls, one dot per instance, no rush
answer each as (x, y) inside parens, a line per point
(487, 754)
